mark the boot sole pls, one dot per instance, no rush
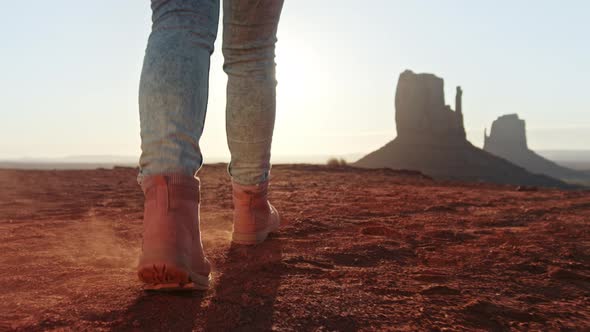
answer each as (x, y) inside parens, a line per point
(167, 277)
(256, 238)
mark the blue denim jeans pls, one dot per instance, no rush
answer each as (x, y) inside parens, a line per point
(174, 85)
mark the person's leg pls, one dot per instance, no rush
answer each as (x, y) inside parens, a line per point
(174, 85)
(249, 38)
(172, 106)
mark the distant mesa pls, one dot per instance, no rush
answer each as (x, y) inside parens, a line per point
(431, 139)
(508, 140)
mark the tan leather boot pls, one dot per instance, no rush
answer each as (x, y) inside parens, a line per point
(172, 252)
(254, 216)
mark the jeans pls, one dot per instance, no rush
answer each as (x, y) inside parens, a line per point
(174, 85)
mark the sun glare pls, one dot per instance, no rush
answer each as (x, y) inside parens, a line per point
(294, 63)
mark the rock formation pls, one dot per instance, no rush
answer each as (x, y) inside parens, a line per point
(508, 140)
(431, 139)
(422, 115)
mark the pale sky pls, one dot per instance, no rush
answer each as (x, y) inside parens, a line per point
(70, 72)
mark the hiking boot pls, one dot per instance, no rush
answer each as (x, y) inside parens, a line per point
(172, 252)
(254, 216)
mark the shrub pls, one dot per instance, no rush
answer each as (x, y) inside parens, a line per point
(335, 162)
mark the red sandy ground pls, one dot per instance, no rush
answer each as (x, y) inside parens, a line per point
(359, 250)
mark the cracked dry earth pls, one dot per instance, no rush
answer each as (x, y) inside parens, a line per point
(359, 250)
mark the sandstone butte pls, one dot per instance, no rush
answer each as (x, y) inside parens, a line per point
(431, 139)
(508, 140)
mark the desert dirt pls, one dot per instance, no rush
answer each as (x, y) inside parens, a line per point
(358, 250)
